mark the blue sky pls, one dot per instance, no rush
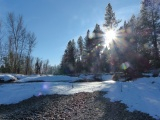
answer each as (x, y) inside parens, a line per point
(55, 22)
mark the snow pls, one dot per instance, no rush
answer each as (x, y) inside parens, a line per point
(7, 77)
(141, 94)
(19, 76)
(58, 78)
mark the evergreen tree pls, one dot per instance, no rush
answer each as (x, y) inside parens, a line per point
(111, 24)
(72, 56)
(56, 70)
(133, 48)
(97, 47)
(37, 66)
(80, 47)
(151, 21)
(80, 55)
(110, 18)
(87, 52)
(144, 24)
(105, 67)
(93, 47)
(125, 26)
(68, 59)
(63, 65)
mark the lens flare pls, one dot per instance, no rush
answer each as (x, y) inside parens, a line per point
(45, 86)
(39, 94)
(125, 66)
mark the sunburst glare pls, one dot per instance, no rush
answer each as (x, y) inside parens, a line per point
(109, 36)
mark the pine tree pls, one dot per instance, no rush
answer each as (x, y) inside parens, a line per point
(63, 65)
(111, 24)
(97, 47)
(87, 52)
(105, 67)
(125, 26)
(68, 59)
(37, 66)
(80, 55)
(80, 46)
(110, 18)
(72, 56)
(94, 43)
(150, 9)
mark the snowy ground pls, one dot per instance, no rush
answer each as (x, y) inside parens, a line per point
(142, 94)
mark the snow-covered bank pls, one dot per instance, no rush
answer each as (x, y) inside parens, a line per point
(141, 94)
(7, 77)
(58, 78)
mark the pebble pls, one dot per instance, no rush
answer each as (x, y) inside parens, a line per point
(80, 106)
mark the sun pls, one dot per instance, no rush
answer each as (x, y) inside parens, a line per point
(109, 37)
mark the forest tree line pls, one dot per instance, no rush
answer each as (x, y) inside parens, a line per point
(136, 44)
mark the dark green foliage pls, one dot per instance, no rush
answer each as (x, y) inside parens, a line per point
(98, 42)
(38, 66)
(89, 57)
(80, 46)
(94, 45)
(87, 52)
(105, 66)
(80, 56)
(56, 70)
(68, 59)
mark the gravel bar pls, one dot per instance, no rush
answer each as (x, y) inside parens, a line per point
(80, 106)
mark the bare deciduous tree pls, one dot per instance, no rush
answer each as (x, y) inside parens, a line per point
(17, 35)
(31, 41)
(21, 43)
